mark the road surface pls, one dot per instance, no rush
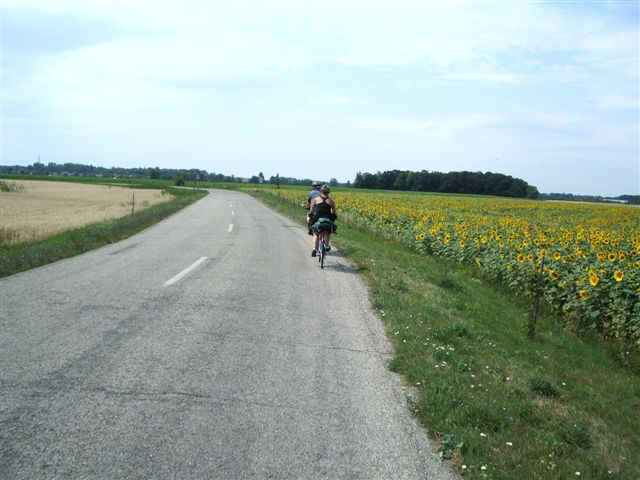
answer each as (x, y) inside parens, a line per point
(208, 346)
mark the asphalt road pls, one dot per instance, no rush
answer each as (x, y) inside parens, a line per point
(123, 363)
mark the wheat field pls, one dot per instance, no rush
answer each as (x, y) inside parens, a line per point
(42, 208)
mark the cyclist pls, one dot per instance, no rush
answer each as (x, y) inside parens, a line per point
(312, 194)
(322, 214)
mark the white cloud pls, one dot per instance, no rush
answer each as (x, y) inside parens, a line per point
(444, 127)
(619, 102)
(333, 99)
(486, 77)
(249, 79)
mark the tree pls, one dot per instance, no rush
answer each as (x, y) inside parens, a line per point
(532, 192)
(333, 182)
(178, 180)
(357, 183)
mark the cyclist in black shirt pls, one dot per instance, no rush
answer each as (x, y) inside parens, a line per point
(321, 207)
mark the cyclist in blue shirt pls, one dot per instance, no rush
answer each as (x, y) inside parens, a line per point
(312, 194)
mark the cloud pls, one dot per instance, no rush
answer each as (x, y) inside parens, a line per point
(333, 99)
(442, 127)
(619, 102)
(486, 77)
(391, 80)
(31, 32)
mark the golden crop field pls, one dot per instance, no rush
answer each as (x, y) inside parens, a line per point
(584, 259)
(42, 208)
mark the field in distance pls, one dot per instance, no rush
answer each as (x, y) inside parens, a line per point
(40, 209)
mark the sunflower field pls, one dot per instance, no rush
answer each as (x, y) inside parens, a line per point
(583, 259)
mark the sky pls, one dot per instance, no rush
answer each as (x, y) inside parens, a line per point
(547, 91)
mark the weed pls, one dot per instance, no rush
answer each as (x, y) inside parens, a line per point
(574, 433)
(449, 283)
(11, 187)
(543, 387)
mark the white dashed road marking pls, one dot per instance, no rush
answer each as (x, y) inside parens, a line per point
(185, 272)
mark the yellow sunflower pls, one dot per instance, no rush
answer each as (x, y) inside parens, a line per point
(612, 257)
(593, 279)
(583, 294)
(554, 275)
(618, 275)
(520, 258)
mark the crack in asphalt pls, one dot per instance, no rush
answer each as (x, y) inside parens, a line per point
(162, 395)
(277, 341)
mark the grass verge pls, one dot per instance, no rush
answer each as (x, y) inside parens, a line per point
(499, 405)
(23, 256)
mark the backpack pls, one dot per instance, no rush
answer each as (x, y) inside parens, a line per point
(325, 225)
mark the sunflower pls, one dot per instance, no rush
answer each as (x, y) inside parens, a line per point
(618, 275)
(593, 279)
(583, 294)
(557, 256)
(612, 257)
(530, 257)
(520, 258)
(622, 256)
(554, 275)
(461, 243)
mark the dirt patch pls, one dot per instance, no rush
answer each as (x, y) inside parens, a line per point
(45, 208)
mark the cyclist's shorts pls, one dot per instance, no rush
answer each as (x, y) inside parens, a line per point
(324, 225)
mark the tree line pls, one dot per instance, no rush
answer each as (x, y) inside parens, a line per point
(630, 199)
(452, 182)
(193, 174)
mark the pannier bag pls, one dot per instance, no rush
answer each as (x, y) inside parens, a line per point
(324, 225)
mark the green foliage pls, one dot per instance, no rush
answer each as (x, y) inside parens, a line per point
(452, 182)
(178, 180)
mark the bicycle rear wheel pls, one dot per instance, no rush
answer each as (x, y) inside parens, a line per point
(323, 249)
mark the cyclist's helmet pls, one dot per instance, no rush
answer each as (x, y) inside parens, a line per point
(316, 185)
(325, 188)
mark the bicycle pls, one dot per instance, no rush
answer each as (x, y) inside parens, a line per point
(323, 243)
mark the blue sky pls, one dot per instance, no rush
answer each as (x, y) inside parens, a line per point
(547, 91)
